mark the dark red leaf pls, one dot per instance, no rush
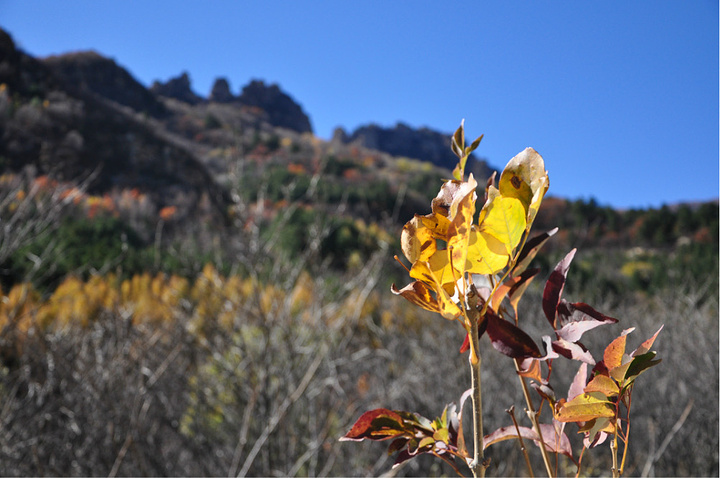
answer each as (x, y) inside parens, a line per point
(573, 350)
(530, 250)
(554, 287)
(510, 340)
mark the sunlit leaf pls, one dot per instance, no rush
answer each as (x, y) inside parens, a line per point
(459, 231)
(604, 385)
(486, 254)
(525, 178)
(613, 356)
(419, 294)
(451, 193)
(554, 287)
(530, 368)
(577, 387)
(438, 224)
(584, 407)
(513, 287)
(645, 346)
(379, 424)
(432, 274)
(417, 240)
(504, 219)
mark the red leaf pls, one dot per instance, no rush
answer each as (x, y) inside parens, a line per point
(645, 346)
(530, 250)
(554, 287)
(577, 318)
(510, 340)
(379, 424)
(573, 350)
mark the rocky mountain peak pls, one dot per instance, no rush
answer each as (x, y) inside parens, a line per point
(402, 140)
(177, 88)
(220, 92)
(281, 109)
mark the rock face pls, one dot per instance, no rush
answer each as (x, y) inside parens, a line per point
(89, 71)
(220, 92)
(282, 110)
(177, 88)
(402, 140)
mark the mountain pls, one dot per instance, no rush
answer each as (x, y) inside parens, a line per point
(82, 116)
(402, 140)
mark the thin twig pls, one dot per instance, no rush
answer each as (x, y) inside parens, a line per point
(511, 412)
(533, 415)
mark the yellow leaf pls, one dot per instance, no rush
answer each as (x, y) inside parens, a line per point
(419, 294)
(433, 273)
(486, 254)
(603, 384)
(417, 240)
(459, 232)
(584, 407)
(504, 219)
(525, 178)
(438, 224)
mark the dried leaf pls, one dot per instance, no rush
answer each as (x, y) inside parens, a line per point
(419, 294)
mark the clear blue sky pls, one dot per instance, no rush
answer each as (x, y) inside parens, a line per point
(620, 98)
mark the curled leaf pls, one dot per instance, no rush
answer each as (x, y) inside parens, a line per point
(419, 294)
(417, 240)
(379, 424)
(525, 178)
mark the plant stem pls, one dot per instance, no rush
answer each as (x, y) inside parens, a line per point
(511, 412)
(478, 465)
(613, 449)
(533, 415)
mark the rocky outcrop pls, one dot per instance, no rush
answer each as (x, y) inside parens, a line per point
(281, 109)
(91, 72)
(402, 140)
(220, 92)
(177, 88)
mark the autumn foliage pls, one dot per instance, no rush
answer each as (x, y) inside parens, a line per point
(473, 269)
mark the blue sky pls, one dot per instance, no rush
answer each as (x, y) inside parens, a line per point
(620, 98)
